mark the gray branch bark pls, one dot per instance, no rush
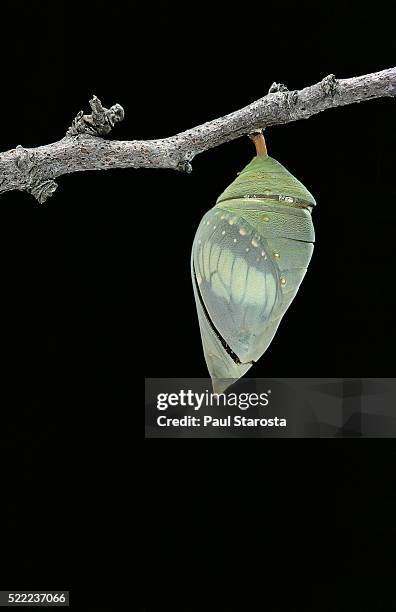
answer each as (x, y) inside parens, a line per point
(84, 148)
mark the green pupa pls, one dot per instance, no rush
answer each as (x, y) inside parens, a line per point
(249, 256)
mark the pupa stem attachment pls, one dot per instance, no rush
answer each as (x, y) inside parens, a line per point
(259, 142)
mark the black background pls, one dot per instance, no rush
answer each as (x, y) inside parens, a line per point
(96, 293)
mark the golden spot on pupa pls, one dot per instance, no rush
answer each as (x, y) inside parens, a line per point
(232, 220)
(242, 231)
(254, 243)
(283, 282)
(276, 255)
(266, 219)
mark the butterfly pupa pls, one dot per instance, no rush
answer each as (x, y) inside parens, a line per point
(249, 256)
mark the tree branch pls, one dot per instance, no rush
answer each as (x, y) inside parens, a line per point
(83, 147)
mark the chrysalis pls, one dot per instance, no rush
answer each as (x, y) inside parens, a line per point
(249, 256)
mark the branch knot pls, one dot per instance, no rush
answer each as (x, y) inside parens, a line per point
(35, 183)
(275, 87)
(185, 166)
(99, 123)
(292, 97)
(329, 85)
(289, 97)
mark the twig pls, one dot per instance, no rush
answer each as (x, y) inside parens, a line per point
(83, 147)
